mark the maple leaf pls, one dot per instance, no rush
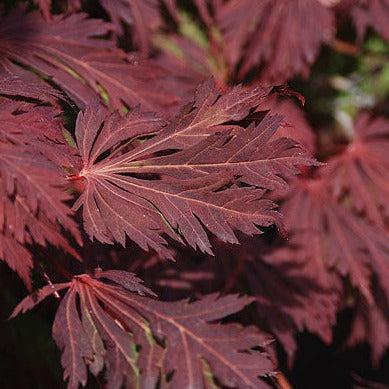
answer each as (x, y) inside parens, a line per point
(361, 172)
(173, 337)
(282, 36)
(39, 127)
(70, 51)
(32, 208)
(191, 172)
(332, 237)
(32, 204)
(289, 299)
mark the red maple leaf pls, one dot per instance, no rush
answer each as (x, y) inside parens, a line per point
(199, 168)
(332, 237)
(69, 51)
(32, 208)
(99, 324)
(282, 36)
(361, 172)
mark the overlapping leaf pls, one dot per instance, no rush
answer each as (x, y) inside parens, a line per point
(333, 237)
(174, 338)
(32, 206)
(289, 296)
(70, 51)
(206, 171)
(342, 216)
(197, 173)
(330, 240)
(282, 36)
(361, 172)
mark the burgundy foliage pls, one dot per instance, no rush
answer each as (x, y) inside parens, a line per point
(124, 139)
(198, 176)
(98, 335)
(69, 51)
(270, 31)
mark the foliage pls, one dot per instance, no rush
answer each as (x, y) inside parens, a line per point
(145, 137)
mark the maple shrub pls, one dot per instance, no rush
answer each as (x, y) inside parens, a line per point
(163, 190)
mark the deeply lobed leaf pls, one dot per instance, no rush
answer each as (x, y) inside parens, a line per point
(71, 52)
(172, 338)
(32, 208)
(361, 171)
(200, 172)
(282, 36)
